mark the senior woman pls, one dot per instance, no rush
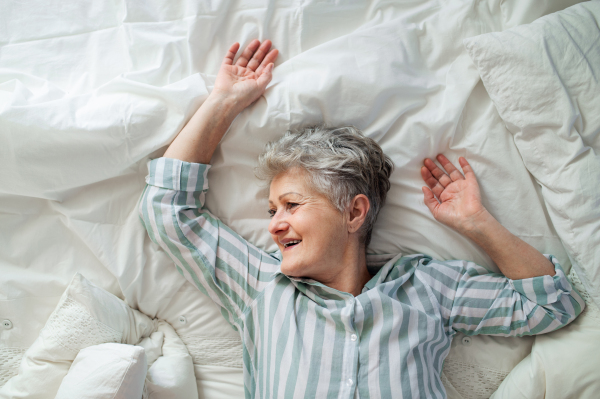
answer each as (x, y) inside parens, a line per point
(314, 321)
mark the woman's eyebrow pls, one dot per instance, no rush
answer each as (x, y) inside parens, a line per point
(284, 194)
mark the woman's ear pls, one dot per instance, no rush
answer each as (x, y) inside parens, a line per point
(357, 212)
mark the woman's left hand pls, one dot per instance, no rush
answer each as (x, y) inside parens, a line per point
(245, 81)
(459, 204)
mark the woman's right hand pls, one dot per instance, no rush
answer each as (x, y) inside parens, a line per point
(245, 81)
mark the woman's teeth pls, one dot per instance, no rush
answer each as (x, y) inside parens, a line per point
(288, 244)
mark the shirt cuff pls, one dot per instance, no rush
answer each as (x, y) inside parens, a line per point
(174, 174)
(544, 290)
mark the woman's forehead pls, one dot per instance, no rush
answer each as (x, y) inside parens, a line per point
(291, 183)
(292, 180)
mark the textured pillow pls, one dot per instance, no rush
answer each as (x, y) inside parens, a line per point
(544, 79)
(86, 315)
(106, 371)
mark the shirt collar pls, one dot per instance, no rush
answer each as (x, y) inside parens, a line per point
(381, 264)
(383, 272)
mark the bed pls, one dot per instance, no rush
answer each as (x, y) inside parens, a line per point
(89, 92)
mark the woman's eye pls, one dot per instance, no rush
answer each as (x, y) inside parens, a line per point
(288, 206)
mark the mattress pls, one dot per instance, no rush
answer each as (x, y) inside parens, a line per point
(90, 92)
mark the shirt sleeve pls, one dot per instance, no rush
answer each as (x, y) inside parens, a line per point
(207, 253)
(475, 301)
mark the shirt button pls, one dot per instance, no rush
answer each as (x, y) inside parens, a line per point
(182, 319)
(466, 341)
(349, 382)
(353, 337)
(7, 324)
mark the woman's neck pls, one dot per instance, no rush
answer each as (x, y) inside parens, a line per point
(352, 274)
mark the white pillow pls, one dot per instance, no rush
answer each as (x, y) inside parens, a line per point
(106, 371)
(86, 315)
(544, 79)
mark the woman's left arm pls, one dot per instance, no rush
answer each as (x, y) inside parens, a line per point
(460, 208)
(474, 301)
(534, 295)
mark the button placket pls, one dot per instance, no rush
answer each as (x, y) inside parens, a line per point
(352, 353)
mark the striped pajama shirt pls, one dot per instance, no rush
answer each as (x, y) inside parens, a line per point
(302, 339)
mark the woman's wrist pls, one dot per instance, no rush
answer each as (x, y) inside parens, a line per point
(485, 231)
(479, 224)
(222, 105)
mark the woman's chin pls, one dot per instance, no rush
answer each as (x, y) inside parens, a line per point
(291, 270)
(288, 271)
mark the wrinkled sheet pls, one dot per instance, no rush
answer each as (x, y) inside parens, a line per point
(90, 91)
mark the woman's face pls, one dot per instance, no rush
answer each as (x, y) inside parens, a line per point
(310, 232)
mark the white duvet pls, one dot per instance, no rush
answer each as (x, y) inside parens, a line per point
(90, 91)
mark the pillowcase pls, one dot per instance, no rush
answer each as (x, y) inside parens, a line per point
(106, 371)
(86, 315)
(544, 79)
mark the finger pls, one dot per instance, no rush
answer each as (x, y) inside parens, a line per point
(270, 58)
(439, 174)
(259, 55)
(432, 182)
(430, 201)
(228, 60)
(247, 54)
(449, 168)
(466, 167)
(264, 79)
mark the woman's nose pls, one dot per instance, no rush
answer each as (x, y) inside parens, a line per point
(277, 224)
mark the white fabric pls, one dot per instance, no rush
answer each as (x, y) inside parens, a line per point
(106, 371)
(544, 80)
(219, 382)
(152, 346)
(85, 316)
(171, 376)
(88, 92)
(10, 358)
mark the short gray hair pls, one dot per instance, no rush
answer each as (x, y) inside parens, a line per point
(341, 164)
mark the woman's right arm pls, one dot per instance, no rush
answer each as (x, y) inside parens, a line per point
(206, 252)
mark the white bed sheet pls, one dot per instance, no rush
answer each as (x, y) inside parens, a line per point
(90, 92)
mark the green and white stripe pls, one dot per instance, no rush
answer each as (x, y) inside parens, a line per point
(303, 339)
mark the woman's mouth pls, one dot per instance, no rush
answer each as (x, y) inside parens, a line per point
(291, 244)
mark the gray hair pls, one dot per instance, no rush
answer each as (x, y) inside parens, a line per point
(341, 164)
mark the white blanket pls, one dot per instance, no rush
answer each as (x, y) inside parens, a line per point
(89, 91)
